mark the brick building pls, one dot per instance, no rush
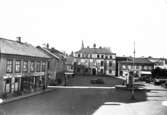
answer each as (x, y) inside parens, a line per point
(23, 68)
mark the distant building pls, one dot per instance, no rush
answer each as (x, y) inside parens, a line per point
(69, 64)
(94, 61)
(142, 66)
(159, 62)
(56, 65)
(23, 68)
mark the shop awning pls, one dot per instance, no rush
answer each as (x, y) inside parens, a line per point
(146, 72)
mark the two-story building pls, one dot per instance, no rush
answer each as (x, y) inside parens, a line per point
(23, 67)
(142, 67)
(94, 61)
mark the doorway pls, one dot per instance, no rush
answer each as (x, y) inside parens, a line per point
(94, 71)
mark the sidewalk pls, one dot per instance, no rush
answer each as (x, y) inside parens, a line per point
(142, 86)
(8, 100)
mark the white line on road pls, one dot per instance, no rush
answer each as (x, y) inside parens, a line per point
(81, 87)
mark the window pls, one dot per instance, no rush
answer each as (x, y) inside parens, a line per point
(123, 67)
(102, 70)
(8, 80)
(110, 71)
(106, 57)
(145, 67)
(9, 66)
(16, 79)
(25, 66)
(110, 63)
(32, 66)
(78, 69)
(102, 56)
(38, 66)
(86, 70)
(110, 57)
(97, 55)
(78, 55)
(18, 66)
(102, 63)
(43, 66)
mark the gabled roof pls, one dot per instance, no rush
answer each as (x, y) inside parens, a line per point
(48, 52)
(95, 51)
(19, 48)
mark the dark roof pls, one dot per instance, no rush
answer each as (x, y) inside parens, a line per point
(19, 48)
(48, 52)
(138, 61)
(95, 51)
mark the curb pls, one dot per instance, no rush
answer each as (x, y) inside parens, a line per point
(25, 96)
(121, 87)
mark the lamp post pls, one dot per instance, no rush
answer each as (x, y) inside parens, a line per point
(132, 91)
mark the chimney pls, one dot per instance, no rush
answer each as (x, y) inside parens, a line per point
(94, 45)
(18, 39)
(47, 46)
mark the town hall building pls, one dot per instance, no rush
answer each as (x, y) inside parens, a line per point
(95, 61)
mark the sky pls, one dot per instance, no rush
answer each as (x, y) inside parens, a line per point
(108, 23)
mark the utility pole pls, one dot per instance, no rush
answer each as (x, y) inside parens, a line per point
(133, 96)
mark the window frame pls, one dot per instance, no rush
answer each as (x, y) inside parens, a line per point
(25, 64)
(9, 64)
(32, 65)
(18, 66)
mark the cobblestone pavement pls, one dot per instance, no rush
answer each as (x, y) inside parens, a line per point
(90, 101)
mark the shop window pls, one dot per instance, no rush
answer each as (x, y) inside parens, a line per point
(16, 79)
(38, 65)
(9, 66)
(123, 67)
(25, 66)
(32, 67)
(18, 66)
(8, 81)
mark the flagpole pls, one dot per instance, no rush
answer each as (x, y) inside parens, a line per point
(133, 96)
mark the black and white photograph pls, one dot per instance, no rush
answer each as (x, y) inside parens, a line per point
(83, 57)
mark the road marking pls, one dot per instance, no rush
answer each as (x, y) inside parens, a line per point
(164, 103)
(81, 87)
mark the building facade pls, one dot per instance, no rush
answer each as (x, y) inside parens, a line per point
(56, 65)
(142, 67)
(94, 61)
(23, 68)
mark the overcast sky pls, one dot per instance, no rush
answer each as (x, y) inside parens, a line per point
(108, 23)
